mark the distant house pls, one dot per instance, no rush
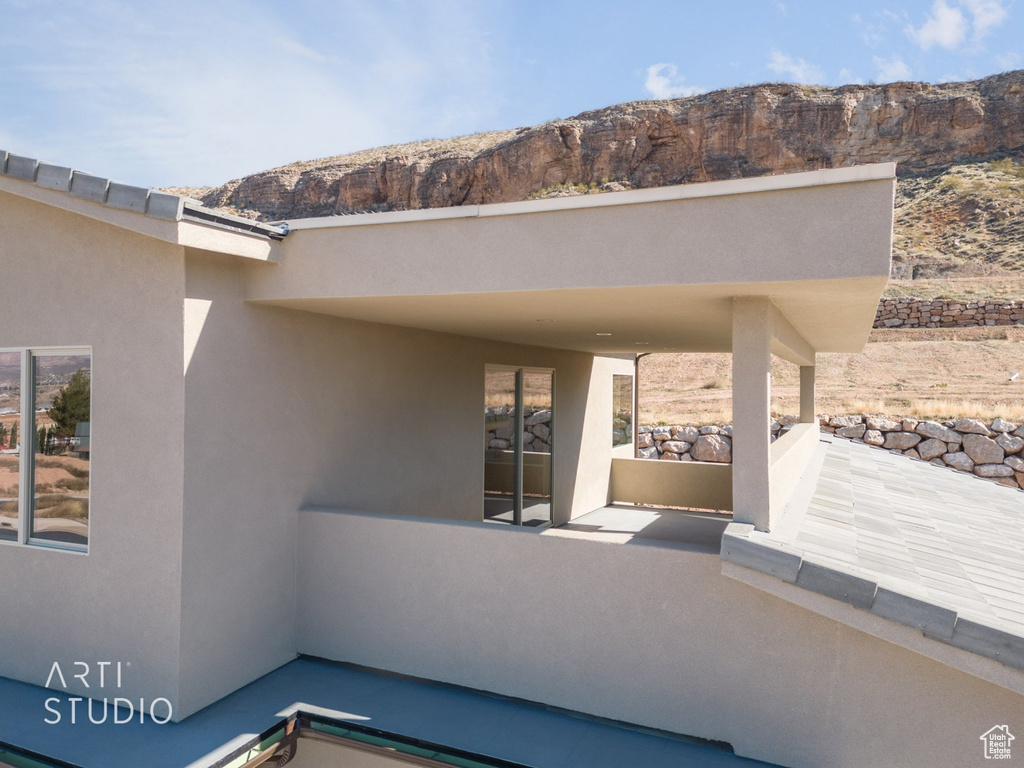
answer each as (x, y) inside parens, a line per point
(80, 442)
(329, 478)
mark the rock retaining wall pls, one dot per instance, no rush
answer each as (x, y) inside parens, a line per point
(536, 428)
(992, 450)
(910, 312)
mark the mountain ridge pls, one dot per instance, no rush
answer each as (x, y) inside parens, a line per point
(943, 138)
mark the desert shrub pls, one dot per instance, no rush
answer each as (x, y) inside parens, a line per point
(71, 469)
(61, 506)
(864, 406)
(719, 382)
(952, 183)
(1008, 166)
(949, 408)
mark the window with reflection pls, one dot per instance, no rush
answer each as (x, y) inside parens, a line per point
(10, 437)
(622, 409)
(518, 440)
(45, 423)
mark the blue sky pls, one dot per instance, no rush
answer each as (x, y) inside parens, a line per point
(193, 92)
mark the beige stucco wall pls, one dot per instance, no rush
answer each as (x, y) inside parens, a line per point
(767, 236)
(701, 485)
(67, 280)
(286, 408)
(583, 271)
(765, 474)
(645, 634)
(789, 459)
(190, 574)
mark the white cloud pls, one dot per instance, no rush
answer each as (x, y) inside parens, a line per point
(945, 26)
(891, 70)
(304, 51)
(664, 82)
(797, 70)
(986, 15)
(870, 34)
(846, 77)
(199, 93)
(1008, 61)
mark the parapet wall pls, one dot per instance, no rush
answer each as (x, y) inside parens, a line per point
(910, 312)
(992, 450)
(657, 636)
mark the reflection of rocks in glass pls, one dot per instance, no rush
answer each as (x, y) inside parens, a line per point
(622, 413)
(538, 417)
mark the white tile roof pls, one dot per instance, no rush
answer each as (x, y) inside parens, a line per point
(911, 542)
(151, 202)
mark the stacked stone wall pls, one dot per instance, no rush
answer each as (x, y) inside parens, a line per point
(536, 428)
(910, 312)
(993, 450)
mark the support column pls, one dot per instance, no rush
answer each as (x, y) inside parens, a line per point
(808, 410)
(751, 409)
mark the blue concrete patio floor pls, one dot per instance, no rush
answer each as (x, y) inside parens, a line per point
(456, 717)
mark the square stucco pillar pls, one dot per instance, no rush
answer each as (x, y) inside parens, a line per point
(751, 409)
(808, 410)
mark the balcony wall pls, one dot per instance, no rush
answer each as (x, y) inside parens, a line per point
(642, 633)
(672, 483)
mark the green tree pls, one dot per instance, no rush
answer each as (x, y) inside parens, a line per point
(41, 441)
(3, 435)
(71, 405)
(14, 435)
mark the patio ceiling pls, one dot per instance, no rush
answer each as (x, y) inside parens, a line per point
(677, 318)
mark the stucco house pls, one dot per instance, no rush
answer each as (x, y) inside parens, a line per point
(399, 441)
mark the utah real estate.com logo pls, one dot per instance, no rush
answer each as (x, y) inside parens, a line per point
(100, 676)
(997, 742)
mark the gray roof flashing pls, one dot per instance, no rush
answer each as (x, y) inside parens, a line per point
(743, 546)
(126, 197)
(195, 210)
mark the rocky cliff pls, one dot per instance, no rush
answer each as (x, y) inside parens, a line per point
(749, 131)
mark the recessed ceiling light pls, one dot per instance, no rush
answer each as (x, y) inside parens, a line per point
(642, 343)
(603, 334)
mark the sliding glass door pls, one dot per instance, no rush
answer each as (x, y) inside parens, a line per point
(518, 437)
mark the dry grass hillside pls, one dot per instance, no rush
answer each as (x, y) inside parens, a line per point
(963, 221)
(937, 374)
(958, 234)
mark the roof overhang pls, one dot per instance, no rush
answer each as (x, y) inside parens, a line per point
(646, 270)
(162, 216)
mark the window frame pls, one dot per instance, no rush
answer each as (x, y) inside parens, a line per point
(520, 372)
(26, 461)
(631, 437)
